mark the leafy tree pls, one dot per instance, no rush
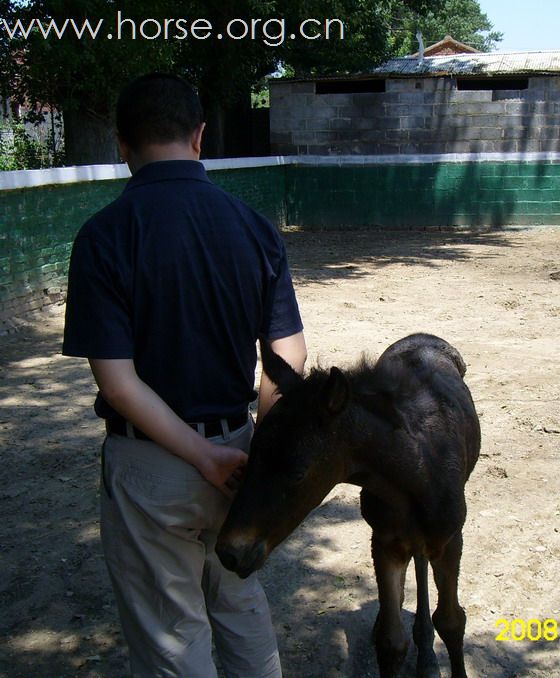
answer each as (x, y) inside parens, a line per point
(82, 77)
(367, 34)
(462, 19)
(7, 66)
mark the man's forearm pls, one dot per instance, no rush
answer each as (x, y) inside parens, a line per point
(136, 402)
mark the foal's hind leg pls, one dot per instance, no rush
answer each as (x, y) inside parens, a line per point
(390, 640)
(423, 630)
(449, 617)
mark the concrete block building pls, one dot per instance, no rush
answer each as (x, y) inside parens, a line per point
(450, 103)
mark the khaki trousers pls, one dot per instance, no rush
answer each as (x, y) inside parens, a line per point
(159, 523)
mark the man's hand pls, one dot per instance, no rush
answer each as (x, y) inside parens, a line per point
(223, 467)
(136, 402)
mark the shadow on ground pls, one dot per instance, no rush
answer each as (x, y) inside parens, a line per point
(57, 611)
(57, 615)
(352, 253)
(324, 633)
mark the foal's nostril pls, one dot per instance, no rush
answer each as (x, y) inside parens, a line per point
(227, 558)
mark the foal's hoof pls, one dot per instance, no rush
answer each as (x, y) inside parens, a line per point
(427, 666)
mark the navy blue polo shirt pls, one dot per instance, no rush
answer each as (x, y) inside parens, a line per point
(183, 278)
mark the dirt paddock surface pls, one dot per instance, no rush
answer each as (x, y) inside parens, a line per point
(495, 296)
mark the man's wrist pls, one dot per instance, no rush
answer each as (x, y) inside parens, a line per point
(194, 449)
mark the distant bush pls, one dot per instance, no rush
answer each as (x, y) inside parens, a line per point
(21, 149)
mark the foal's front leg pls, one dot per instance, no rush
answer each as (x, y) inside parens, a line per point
(391, 642)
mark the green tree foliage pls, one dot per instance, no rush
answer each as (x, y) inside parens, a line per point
(82, 77)
(367, 34)
(462, 19)
(7, 66)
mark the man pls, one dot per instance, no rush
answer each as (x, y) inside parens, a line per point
(170, 287)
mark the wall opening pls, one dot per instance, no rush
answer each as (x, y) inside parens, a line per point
(471, 84)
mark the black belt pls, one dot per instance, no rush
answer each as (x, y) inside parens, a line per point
(211, 428)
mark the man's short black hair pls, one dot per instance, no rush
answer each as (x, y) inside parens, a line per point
(157, 108)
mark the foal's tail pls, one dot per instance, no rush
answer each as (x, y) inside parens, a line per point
(456, 357)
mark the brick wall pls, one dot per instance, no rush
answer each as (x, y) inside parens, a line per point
(415, 115)
(264, 188)
(424, 195)
(38, 226)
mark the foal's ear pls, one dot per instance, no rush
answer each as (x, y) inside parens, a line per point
(278, 370)
(336, 392)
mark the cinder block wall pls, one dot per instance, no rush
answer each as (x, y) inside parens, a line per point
(415, 115)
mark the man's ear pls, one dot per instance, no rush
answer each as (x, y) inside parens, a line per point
(124, 149)
(196, 138)
(335, 394)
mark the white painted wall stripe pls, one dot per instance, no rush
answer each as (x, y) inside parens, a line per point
(68, 175)
(61, 175)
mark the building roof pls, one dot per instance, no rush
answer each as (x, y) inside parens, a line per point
(445, 47)
(479, 63)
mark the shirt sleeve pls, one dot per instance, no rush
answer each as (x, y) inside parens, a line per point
(282, 317)
(98, 318)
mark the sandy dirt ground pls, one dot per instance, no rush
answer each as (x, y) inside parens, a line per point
(495, 296)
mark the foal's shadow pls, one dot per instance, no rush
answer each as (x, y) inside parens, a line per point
(362, 662)
(321, 640)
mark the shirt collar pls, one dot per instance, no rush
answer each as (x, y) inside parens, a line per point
(166, 170)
